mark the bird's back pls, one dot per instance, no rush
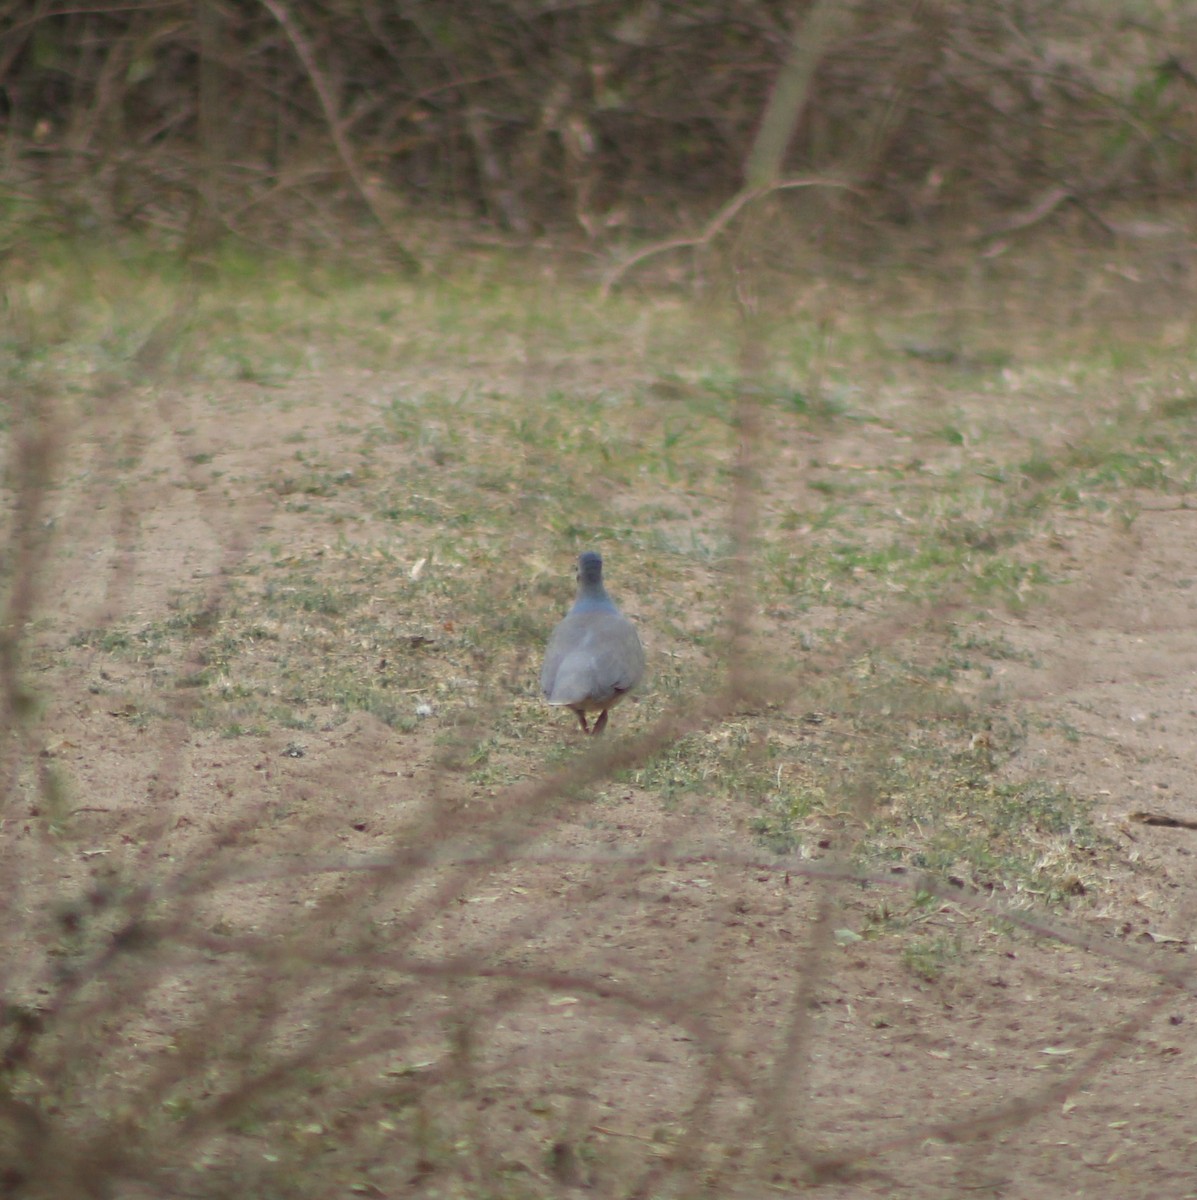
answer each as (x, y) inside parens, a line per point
(593, 656)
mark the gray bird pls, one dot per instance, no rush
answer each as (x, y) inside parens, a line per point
(594, 657)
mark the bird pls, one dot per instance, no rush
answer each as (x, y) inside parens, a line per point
(594, 656)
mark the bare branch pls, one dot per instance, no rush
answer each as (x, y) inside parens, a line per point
(345, 152)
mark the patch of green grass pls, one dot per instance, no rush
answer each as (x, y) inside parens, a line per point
(679, 772)
(930, 957)
(907, 773)
(783, 825)
(991, 646)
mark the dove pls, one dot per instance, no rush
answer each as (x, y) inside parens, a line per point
(594, 656)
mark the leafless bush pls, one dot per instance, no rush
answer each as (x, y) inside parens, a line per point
(197, 119)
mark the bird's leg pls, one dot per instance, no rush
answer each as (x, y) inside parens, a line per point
(601, 723)
(582, 720)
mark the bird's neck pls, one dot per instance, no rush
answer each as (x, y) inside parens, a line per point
(593, 598)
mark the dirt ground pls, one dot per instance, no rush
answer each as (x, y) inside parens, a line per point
(654, 997)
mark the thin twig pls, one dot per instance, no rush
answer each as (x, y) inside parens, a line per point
(713, 228)
(307, 58)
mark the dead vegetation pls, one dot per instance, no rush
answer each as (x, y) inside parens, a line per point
(287, 125)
